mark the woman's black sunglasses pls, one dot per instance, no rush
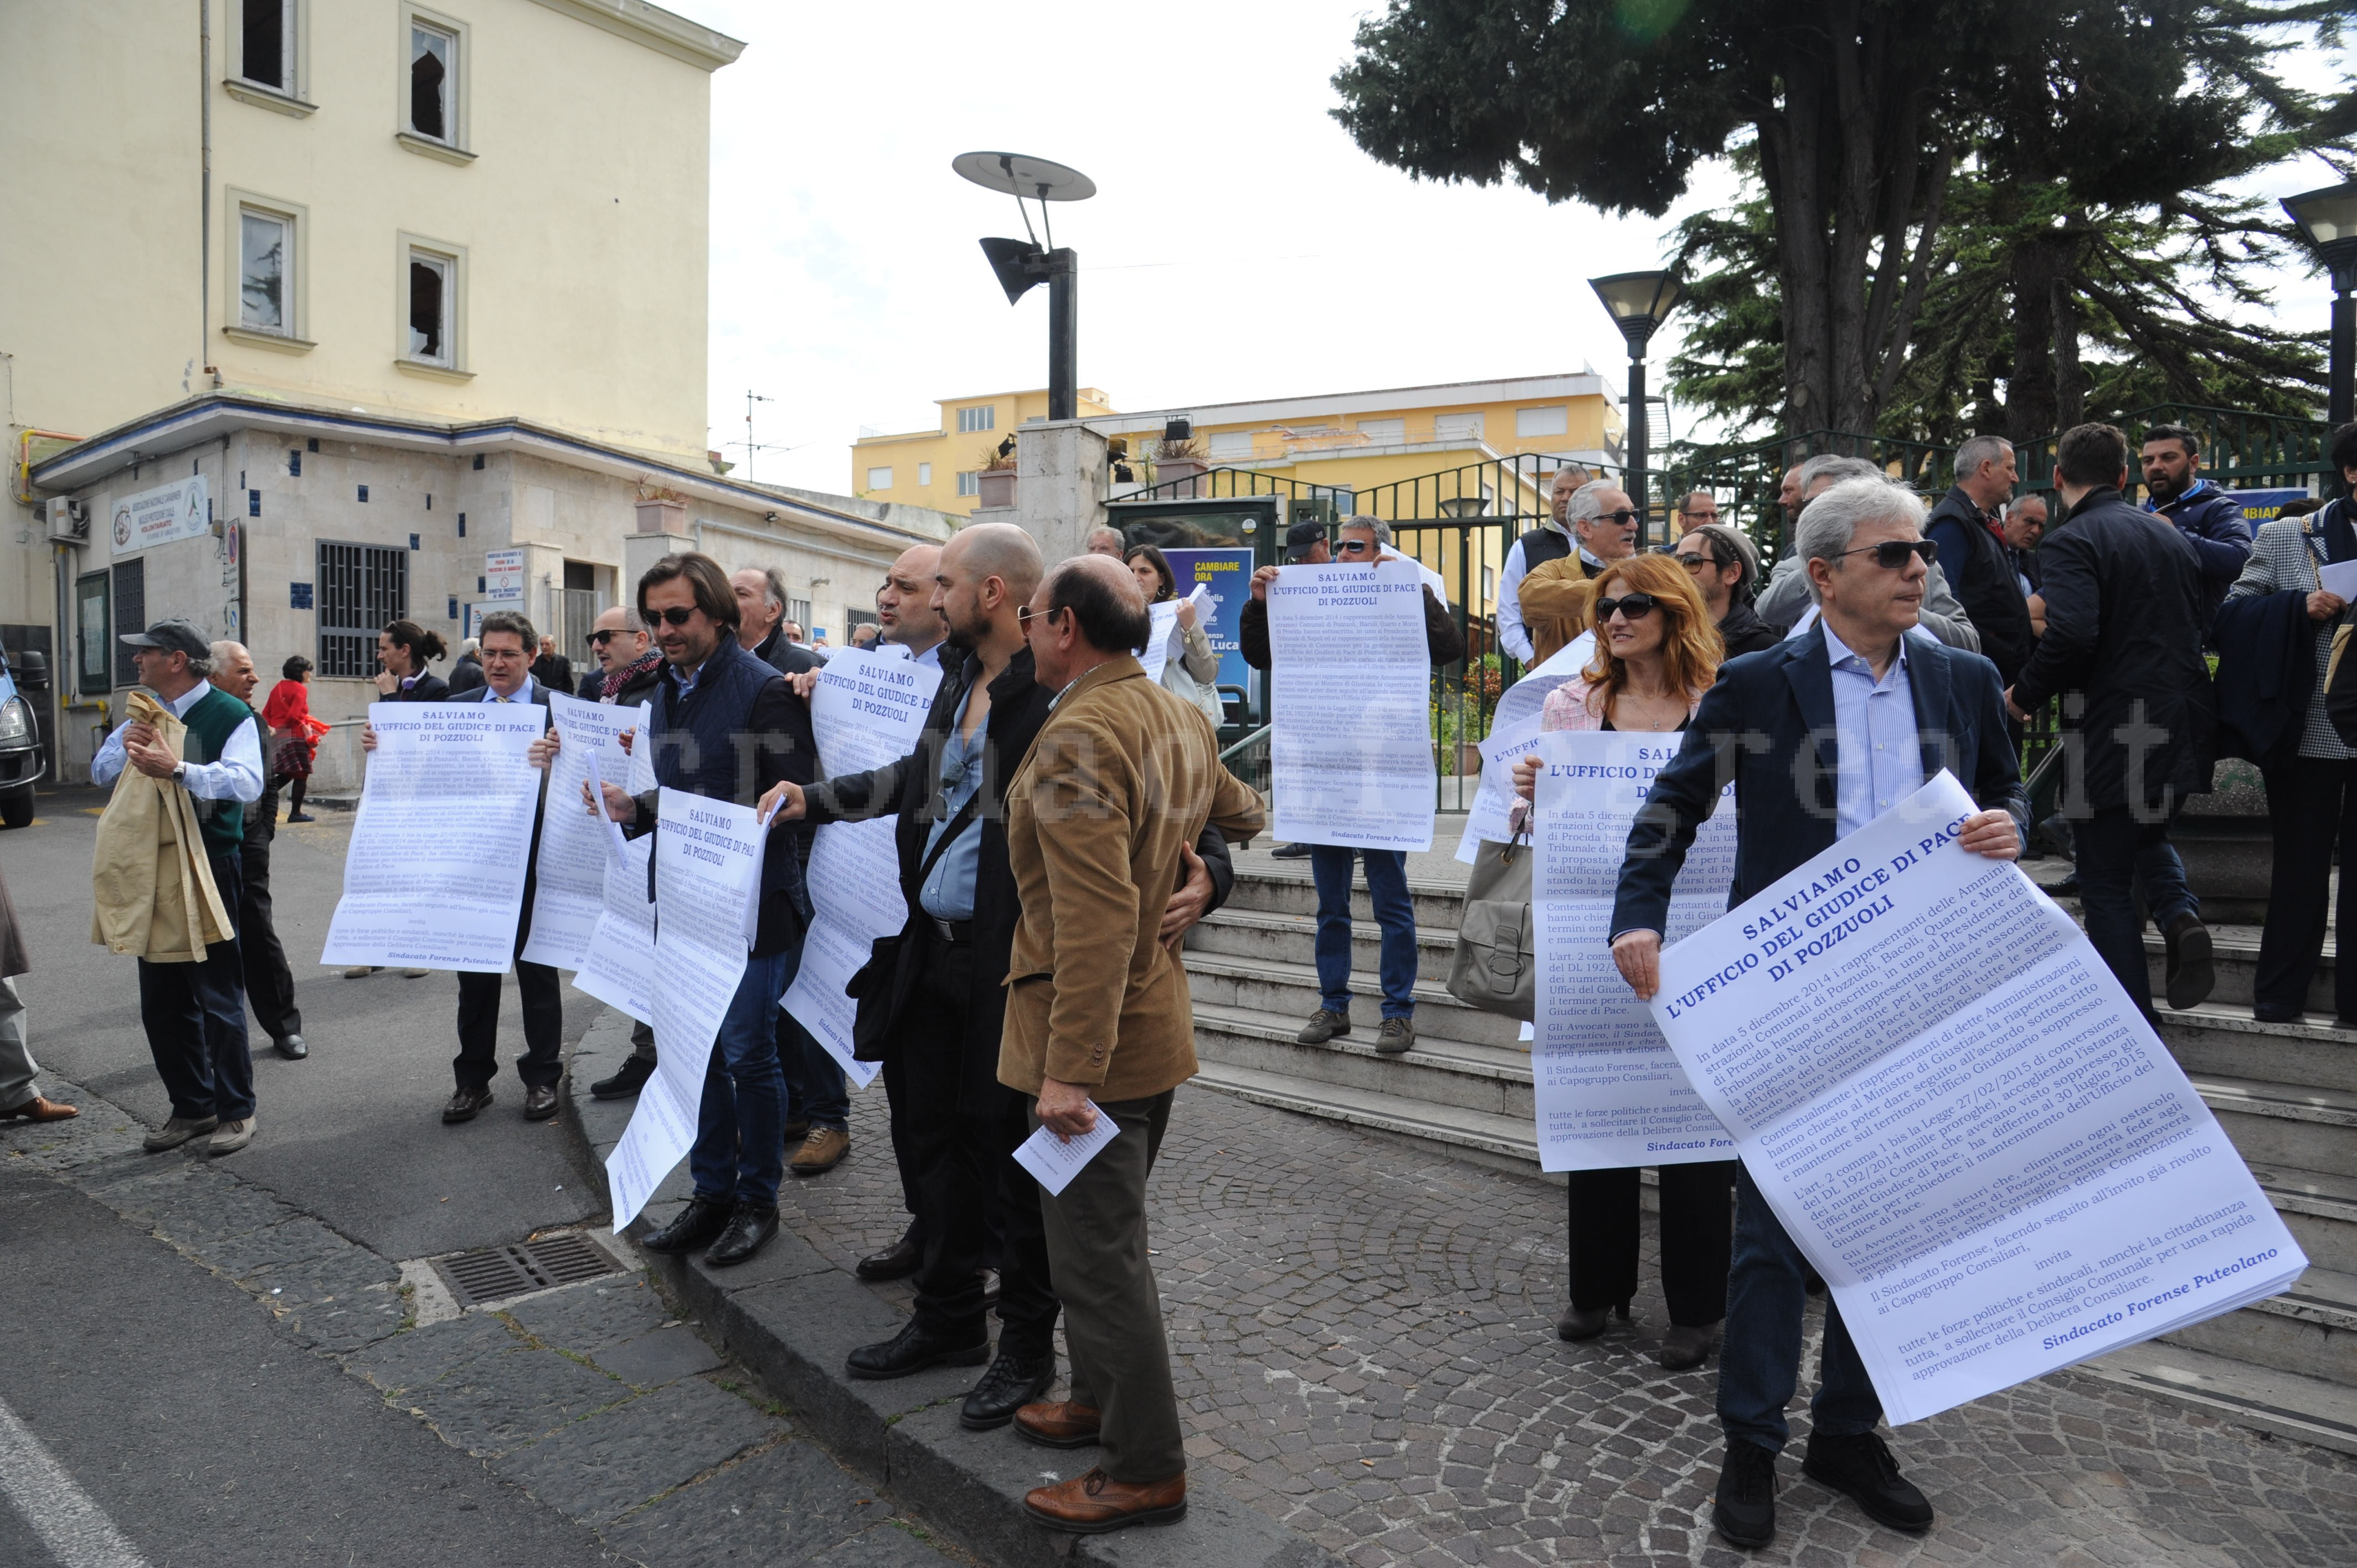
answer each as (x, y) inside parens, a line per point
(1633, 607)
(1891, 553)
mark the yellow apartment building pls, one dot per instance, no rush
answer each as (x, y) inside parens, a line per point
(1347, 441)
(325, 312)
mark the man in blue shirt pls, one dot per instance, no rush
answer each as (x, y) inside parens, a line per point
(2212, 522)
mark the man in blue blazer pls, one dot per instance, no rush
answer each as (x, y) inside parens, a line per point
(1819, 734)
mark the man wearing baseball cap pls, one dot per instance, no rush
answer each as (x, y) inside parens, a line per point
(195, 1012)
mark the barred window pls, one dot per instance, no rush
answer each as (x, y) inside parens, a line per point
(129, 615)
(361, 588)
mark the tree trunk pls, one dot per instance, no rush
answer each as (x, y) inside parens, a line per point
(2031, 403)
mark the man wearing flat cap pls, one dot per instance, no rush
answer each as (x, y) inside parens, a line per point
(195, 1011)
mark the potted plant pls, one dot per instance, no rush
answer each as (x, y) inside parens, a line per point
(995, 482)
(1184, 459)
(661, 509)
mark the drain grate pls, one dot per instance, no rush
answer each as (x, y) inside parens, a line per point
(494, 1274)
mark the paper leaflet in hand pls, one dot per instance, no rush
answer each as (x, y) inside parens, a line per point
(1054, 1161)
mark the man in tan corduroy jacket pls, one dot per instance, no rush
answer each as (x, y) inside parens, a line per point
(1117, 785)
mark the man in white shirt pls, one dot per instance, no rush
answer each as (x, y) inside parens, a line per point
(195, 1012)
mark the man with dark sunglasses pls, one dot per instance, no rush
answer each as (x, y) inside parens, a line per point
(1898, 709)
(1725, 566)
(1594, 517)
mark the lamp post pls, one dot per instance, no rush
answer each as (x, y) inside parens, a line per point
(1021, 264)
(1639, 302)
(2328, 219)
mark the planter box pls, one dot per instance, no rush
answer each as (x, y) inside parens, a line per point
(997, 486)
(662, 516)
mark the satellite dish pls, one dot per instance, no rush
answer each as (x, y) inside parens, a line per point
(1023, 176)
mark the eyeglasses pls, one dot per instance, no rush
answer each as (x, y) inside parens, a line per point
(1633, 607)
(1024, 614)
(1891, 553)
(600, 639)
(1620, 519)
(1354, 547)
(674, 616)
(1691, 562)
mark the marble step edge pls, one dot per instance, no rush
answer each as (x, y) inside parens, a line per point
(1278, 923)
(1304, 977)
(2240, 943)
(1473, 1060)
(1510, 1137)
(2285, 1404)
(2318, 1193)
(1264, 871)
(2284, 1102)
(2235, 1019)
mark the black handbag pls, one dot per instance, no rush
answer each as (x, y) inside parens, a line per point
(872, 985)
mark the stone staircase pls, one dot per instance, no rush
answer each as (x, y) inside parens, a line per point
(2285, 1093)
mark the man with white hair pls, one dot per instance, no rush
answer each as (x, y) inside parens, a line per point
(1898, 709)
(269, 984)
(1972, 550)
(1785, 600)
(1106, 542)
(1597, 519)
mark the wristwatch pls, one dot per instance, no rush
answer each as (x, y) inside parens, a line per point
(180, 774)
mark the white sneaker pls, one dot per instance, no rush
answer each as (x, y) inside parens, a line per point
(231, 1136)
(362, 970)
(415, 974)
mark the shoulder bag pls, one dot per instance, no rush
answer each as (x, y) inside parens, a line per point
(1496, 962)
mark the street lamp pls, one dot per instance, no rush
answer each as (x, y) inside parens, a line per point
(1638, 302)
(1019, 266)
(2328, 219)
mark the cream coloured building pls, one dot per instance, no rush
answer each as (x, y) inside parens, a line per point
(381, 288)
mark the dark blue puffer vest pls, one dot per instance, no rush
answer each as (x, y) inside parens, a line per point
(706, 745)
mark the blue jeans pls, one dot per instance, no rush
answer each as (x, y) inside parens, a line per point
(1761, 1363)
(2117, 848)
(738, 1157)
(1329, 867)
(816, 1091)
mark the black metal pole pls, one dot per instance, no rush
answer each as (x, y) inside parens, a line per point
(1636, 486)
(1063, 335)
(2344, 344)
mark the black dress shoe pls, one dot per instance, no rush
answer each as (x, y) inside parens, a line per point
(1585, 1323)
(751, 1225)
(466, 1105)
(915, 1348)
(291, 1046)
(1290, 852)
(1016, 1379)
(1744, 1509)
(628, 1080)
(897, 1262)
(700, 1221)
(1860, 1467)
(2191, 974)
(540, 1102)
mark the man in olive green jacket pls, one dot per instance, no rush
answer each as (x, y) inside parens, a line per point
(1119, 782)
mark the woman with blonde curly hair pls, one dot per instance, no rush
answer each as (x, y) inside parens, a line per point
(1657, 651)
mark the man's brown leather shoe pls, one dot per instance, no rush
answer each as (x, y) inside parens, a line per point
(39, 1109)
(1058, 1424)
(1093, 1504)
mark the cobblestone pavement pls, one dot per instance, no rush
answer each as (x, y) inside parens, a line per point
(1364, 1337)
(594, 1399)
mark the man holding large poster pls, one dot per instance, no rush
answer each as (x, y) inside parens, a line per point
(1819, 735)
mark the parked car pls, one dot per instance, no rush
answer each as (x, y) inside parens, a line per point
(21, 762)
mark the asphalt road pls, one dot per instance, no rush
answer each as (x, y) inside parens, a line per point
(353, 1134)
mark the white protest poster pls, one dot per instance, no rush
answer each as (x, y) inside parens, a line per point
(1960, 1117)
(1611, 1092)
(1351, 753)
(434, 876)
(1162, 635)
(1513, 732)
(869, 709)
(569, 883)
(619, 965)
(707, 864)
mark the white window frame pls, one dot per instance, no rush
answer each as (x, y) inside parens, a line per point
(1228, 445)
(452, 260)
(291, 94)
(455, 145)
(295, 305)
(924, 476)
(1459, 426)
(884, 483)
(1384, 430)
(975, 421)
(969, 483)
(1536, 424)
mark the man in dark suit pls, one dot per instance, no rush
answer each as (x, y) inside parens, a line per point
(1963, 526)
(506, 650)
(1820, 735)
(2126, 609)
(956, 1126)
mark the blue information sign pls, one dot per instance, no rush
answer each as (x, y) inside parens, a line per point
(1228, 575)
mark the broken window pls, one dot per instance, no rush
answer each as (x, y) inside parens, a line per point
(262, 272)
(267, 30)
(431, 53)
(430, 307)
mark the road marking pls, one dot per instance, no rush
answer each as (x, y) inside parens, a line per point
(74, 1529)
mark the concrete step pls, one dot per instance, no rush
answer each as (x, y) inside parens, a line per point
(2226, 1040)
(2319, 1209)
(2308, 1409)
(2235, 954)
(2309, 1329)
(2278, 1124)
(1454, 1074)
(1261, 933)
(1291, 991)
(1509, 1142)
(1285, 891)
